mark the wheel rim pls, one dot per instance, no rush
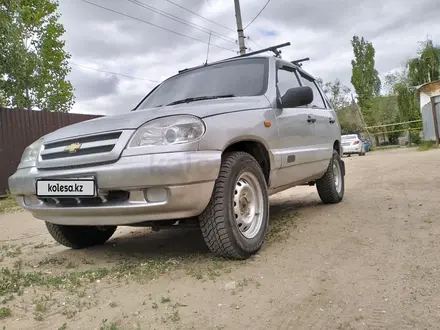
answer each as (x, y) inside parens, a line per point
(337, 176)
(248, 205)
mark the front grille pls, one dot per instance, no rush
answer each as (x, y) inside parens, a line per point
(89, 145)
(112, 196)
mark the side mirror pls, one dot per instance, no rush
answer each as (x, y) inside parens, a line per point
(296, 97)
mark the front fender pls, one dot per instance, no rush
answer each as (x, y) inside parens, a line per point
(223, 130)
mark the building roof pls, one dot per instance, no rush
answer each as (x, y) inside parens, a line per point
(432, 87)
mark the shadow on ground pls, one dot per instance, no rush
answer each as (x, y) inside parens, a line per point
(141, 243)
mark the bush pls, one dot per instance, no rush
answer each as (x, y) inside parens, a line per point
(415, 137)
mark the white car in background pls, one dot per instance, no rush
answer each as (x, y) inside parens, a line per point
(352, 144)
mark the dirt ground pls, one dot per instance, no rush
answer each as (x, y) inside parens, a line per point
(370, 262)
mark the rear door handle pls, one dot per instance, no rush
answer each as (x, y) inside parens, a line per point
(331, 120)
(311, 120)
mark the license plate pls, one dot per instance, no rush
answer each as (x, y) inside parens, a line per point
(66, 188)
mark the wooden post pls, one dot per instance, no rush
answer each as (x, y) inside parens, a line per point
(434, 116)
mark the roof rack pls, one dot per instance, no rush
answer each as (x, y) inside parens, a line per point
(298, 62)
(273, 49)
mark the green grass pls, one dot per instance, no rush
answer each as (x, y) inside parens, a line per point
(8, 204)
(384, 147)
(426, 145)
(108, 326)
(10, 251)
(14, 280)
(5, 312)
(280, 227)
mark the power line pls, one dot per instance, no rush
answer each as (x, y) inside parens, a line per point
(192, 12)
(180, 20)
(257, 15)
(152, 24)
(255, 42)
(110, 72)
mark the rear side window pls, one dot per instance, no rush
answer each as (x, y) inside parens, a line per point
(326, 100)
(318, 101)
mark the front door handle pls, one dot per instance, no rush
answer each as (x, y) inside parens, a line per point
(311, 120)
(331, 120)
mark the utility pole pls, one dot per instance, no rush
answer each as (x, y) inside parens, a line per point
(361, 116)
(434, 117)
(241, 45)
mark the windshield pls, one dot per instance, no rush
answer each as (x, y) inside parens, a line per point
(349, 137)
(243, 77)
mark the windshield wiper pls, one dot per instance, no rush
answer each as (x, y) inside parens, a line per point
(200, 98)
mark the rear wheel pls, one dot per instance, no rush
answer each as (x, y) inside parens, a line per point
(79, 237)
(332, 185)
(235, 222)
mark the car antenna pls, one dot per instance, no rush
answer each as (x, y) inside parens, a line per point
(207, 53)
(298, 62)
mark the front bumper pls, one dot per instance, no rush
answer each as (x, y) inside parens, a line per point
(182, 183)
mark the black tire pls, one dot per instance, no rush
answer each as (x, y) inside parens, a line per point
(326, 186)
(80, 237)
(218, 221)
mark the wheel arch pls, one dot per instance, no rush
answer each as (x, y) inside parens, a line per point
(338, 147)
(257, 149)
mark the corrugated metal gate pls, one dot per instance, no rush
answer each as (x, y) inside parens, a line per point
(19, 128)
(428, 119)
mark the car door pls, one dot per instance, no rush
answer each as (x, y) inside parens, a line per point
(324, 127)
(295, 129)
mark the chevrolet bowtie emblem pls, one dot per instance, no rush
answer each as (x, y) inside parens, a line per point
(74, 147)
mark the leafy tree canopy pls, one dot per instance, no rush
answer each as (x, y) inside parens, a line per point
(33, 62)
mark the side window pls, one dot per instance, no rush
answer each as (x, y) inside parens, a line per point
(286, 79)
(318, 101)
(326, 100)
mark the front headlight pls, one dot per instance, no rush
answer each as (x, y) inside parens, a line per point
(30, 154)
(168, 131)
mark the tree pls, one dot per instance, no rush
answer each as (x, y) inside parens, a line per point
(33, 62)
(336, 92)
(339, 96)
(423, 68)
(407, 103)
(426, 66)
(3, 100)
(365, 77)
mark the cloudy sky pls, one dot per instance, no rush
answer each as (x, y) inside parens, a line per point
(320, 29)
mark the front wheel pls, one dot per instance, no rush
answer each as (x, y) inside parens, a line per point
(235, 222)
(332, 184)
(79, 237)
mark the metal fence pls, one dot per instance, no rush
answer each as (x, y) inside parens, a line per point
(19, 128)
(428, 119)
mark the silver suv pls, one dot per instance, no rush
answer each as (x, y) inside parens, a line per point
(206, 148)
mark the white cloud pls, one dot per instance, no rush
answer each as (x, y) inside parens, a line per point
(319, 29)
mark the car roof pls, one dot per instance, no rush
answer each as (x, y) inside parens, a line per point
(222, 61)
(281, 62)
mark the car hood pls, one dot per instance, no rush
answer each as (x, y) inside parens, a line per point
(134, 119)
